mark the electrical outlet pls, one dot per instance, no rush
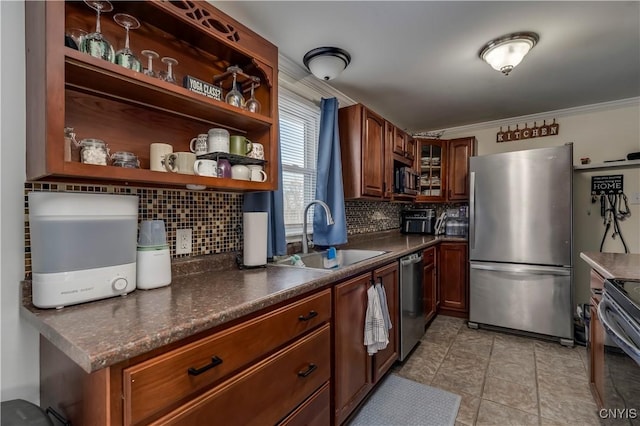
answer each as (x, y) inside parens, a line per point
(183, 241)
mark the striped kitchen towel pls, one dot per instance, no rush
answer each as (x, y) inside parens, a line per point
(376, 334)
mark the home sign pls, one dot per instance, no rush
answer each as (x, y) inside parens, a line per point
(528, 132)
(608, 185)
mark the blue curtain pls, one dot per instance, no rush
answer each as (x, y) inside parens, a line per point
(329, 179)
(272, 203)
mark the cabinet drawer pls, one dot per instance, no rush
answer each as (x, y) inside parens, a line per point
(264, 394)
(429, 256)
(315, 411)
(158, 383)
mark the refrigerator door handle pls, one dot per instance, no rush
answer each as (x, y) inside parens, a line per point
(522, 269)
(472, 210)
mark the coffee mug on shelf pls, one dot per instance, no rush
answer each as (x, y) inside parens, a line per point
(239, 145)
(257, 152)
(180, 162)
(198, 145)
(256, 174)
(218, 140)
(157, 153)
(205, 168)
(224, 168)
(241, 172)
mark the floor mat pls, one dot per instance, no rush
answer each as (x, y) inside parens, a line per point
(401, 402)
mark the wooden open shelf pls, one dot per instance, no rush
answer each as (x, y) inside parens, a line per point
(130, 110)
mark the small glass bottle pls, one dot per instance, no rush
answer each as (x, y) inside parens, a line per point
(71, 145)
(125, 159)
(94, 151)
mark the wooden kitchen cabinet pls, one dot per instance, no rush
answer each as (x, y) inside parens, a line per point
(130, 110)
(430, 284)
(284, 359)
(372, 151)
(444, 169)
(355, 372)
(362, 143)
(453, 279)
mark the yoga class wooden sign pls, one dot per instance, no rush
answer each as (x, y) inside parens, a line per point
(528, 132)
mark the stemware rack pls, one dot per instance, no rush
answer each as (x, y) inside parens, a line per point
(244, 79)
(233, 158)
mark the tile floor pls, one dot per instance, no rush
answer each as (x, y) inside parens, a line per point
(503, 379)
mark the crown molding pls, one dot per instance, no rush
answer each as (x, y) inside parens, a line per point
(300, 81)
(622, 103)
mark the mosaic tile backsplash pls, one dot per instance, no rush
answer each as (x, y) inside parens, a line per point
(214, 217)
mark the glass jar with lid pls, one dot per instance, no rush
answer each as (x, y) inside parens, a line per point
(94, 151)
(125, 159)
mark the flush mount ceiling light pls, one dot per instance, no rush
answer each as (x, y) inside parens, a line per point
(326, 63)
(504, 53)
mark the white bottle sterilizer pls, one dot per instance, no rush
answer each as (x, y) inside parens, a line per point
(83, 246)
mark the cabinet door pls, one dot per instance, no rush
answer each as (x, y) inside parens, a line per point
(390, 148)
(453, 276)
(352, 363)
(384, 359)
(373, 154)
(459, 151)
(410, 148)
(395, 134)
(431, 165)
(430, 283)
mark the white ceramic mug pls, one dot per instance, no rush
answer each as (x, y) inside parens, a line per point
(257, 152)
(257, 174)
(199, 144)
(157, 153)
(205, 168)
(180, 162)
(218, 140)
(241, 172)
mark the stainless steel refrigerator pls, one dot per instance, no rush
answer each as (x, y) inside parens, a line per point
(520, 241)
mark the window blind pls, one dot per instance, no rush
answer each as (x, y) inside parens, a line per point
(299, 126)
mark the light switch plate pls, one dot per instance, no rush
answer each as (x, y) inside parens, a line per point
(183, 241)
(635, 198)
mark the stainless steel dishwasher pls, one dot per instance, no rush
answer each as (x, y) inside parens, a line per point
(411, 303)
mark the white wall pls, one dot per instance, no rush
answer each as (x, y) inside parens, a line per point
(602, 132)
(19, 348)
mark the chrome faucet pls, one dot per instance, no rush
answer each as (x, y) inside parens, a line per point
(305, 241)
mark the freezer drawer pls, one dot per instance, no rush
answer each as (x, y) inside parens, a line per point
(535, 299)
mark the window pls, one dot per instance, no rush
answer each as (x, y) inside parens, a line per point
(299, 124)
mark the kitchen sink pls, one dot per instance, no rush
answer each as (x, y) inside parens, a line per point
(318, 260)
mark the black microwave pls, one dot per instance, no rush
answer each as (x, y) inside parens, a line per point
(418, 221)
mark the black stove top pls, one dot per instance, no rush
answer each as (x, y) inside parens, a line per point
(627, 294)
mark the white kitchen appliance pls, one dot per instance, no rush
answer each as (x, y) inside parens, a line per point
(83, 246)
(153, 257)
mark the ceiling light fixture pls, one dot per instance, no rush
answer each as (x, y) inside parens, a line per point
(504, 53)
(326, 63)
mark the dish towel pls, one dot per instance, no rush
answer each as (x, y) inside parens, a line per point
(376, 335)
(384, 307)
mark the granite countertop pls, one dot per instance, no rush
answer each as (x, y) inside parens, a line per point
(102, 333)
(614, 265)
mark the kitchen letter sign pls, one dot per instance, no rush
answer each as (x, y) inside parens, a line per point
(528, 132)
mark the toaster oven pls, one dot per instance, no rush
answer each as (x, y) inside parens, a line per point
(418, 221)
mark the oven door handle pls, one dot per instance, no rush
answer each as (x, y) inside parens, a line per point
(604, 307)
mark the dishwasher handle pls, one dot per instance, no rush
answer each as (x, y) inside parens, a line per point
(410, 260)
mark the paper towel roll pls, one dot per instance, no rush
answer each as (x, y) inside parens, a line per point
(254, 225)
